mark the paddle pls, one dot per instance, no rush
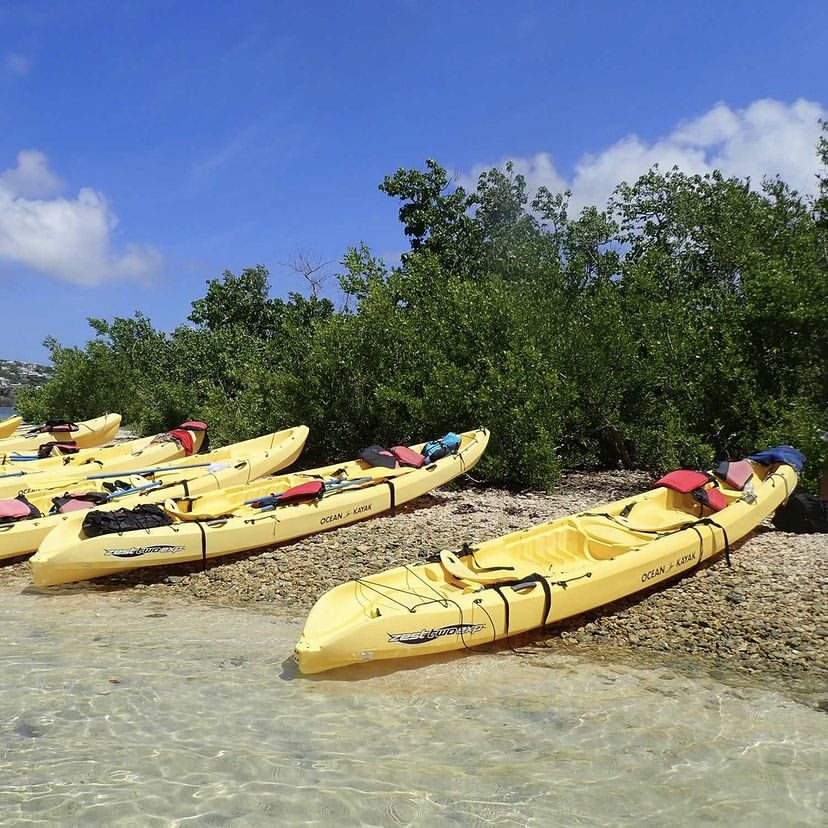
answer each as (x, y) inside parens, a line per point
(267, 502)
(155, 470)
(272, 501)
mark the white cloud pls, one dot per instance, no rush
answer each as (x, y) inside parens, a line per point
(766, 139)
(31, 178)
(66, 238)
(537, 170)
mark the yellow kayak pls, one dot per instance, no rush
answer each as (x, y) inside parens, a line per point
(528, 579)
(9, 426)
(84, 434)
(241, 518)
(233, 465)
(22, 472)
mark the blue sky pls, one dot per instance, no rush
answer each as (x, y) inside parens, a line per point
(147, 146)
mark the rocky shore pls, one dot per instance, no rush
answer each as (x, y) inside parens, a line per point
(764, 617)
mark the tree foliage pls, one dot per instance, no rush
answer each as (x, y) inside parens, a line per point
(682, 323)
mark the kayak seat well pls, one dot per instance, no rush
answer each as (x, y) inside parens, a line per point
(572, 540)
(607, 537)
(604, 538)
(538, 550)
(582, 537)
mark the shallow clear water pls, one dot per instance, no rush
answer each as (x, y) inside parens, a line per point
(118, 711)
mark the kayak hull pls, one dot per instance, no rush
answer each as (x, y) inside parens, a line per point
(89, 433)
(224, 523)
(233, 465)
(144, 452)
(9, 426)
(529, 579)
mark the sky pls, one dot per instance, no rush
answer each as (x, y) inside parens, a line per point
(148, 146)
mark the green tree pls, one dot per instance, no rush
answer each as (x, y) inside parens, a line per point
(435, 216)
(684, 322)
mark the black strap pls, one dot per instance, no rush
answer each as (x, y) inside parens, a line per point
(203, 546)
(505, 600)
(393, 508)
(710, 522)
(547, 597)
(776, 474)
(535, 577)
(468, 549)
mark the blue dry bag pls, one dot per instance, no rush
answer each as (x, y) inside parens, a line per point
(435, 449)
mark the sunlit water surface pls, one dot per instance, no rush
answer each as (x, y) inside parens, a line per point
(119, 711)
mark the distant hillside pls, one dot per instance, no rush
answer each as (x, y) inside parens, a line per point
(14, 375)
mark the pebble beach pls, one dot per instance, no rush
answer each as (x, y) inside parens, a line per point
(765, 616)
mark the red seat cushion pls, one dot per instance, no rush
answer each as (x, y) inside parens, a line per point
(13, 509)
(408, 457)
(684, 480)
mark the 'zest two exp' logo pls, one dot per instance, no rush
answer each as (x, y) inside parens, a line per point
(137, 551)
(424, 636)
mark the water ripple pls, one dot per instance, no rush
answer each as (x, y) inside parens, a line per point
(115, 713)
